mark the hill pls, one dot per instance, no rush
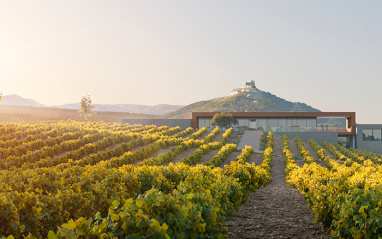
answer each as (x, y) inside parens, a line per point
(12, 113)
(131, 108)
(20, 101)
(242, 100)
(160, 109)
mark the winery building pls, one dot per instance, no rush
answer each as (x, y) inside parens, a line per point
(303, 124)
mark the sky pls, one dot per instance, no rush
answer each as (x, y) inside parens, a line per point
(326, 54)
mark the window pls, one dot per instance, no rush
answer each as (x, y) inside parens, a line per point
(201, 123)
(281, 124)
(372, 135)
(301, 123)
(377, 134)
(311, 124)
(272, 124)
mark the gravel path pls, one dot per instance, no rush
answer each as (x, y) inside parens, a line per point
(250, 138)
(275, 211)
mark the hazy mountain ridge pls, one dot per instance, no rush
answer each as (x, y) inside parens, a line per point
(130, 108)
(19, 101)
(243, 99)
(250, 99)
(126, 108)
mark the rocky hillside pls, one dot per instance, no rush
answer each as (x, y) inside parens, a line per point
(249, 99)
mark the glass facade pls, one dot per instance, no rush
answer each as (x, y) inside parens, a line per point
(377, 134)
(205, 122)
(372, 134)
(280, 124)
(276, 124)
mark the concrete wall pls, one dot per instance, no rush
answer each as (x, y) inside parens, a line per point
(330, 137)
(371, 146)
(182, 123)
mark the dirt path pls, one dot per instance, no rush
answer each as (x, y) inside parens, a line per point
(139, 148)
(186, 136)
(204, 135)
(230, 158)
(217, 138)
(161, 151)
(293, 148)
(332, 156)
(207, 157)
(311, 151)
(278, 144)
(111, 147)
(181, 156)
(275, 211)
(296, 155)
(256, 158)
(327, 153)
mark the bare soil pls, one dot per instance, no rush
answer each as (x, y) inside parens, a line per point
(274, 211)
(230, 158)
(332, 156)
(278, 145)
(207, 157)
(162, 151)
(188, 135)
(139, 148)
(296, 155)
(310, 150)
(101, 150)
(217, 138)
(293, 148)
(181, 156)
(204, 135)
(313, 154)
(256, 158)
(327, 153)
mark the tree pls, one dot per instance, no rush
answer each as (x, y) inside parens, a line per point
(86, 106)
(1, 95)
(223, 120)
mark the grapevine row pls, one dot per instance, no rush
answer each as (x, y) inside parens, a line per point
(345, 197)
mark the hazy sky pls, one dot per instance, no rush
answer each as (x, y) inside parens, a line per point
(327, 54)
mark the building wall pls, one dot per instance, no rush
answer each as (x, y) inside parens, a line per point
(182, 123)
(330, 137)
(350, 116)
(375, 145)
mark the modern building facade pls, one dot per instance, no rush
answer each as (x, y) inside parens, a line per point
(182, 123)
(369, 137)
(302, 124)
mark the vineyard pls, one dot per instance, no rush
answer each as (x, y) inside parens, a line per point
(71, 179)
(93, 179)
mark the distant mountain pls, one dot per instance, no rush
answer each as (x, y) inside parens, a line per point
(245, 99)
(19, 101)
(124, 108)
(131, 108)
